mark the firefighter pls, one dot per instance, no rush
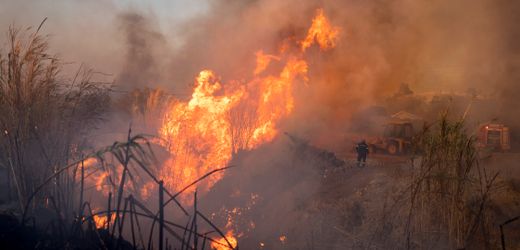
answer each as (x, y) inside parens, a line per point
(362, 152)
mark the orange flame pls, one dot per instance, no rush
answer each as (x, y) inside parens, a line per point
(89, 162)
(262, 61)
(222, 244)
(197, 133)
(101, 220)
(322, 32)
(96, 176)
(203, 133)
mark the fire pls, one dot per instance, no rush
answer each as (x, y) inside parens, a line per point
(89, 162)
(197, 133)
(202, 133)
(96, 176)
(322, 32)
(276, 101)
(102, 179)
(222, 244)
(262, 61)
(101, 220)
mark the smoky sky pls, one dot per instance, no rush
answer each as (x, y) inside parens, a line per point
(142, 42)
(93, 32)
(434, 46)
(447, 46)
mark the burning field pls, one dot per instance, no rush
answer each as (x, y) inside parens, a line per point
(243, 126)
(217, 122)
(221, 120)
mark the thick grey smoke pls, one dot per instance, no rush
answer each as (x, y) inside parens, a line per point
(145, 48)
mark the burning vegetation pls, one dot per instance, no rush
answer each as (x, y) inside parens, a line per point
(216, 122)
(255, 155)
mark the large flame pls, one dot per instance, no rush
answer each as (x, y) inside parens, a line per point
(203, 133)
(197, 133)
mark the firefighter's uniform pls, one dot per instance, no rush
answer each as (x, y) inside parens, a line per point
(362, 152)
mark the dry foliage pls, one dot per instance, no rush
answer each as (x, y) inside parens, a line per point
(449, 191)
(143, 105)
(242, 119)
(46, 123)
(44, 119)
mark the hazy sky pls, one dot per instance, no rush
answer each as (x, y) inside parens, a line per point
(80, 29)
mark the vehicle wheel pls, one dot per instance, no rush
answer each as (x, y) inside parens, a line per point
(392, 149)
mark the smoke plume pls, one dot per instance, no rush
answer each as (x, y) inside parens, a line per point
(433, 46)
(144, 46)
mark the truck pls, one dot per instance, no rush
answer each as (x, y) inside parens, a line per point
(493, 136)
(396, 138)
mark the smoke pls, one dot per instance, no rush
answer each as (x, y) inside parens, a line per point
(144, 48)
(508, 73)
(284, 207)
(433, 46)
(75, 34)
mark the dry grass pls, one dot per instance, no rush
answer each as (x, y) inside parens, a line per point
(44, 119)
(46, 122)
(450, 191)
(444, 199)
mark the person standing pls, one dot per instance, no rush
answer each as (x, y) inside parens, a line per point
(362, 152)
